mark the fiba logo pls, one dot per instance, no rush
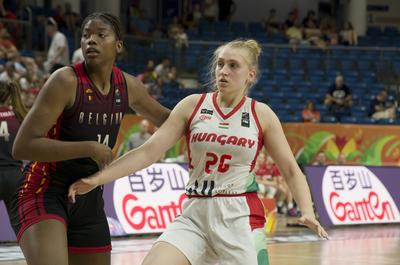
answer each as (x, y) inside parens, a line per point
(355, 195)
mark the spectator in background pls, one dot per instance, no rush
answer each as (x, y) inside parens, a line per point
(173, 28)
(329, 31)
(339, 98)
(271, 23)
(348, 36)
(266, 172)
(150, 80)
(162, 70)
(193, 18)
(58, 53)
(313, 34)
(310, 18)
(291, 19)
(39, 68)
(295, 36)
(19, 63)
(149, 75)
(30, 96)
(320, 159)
(71, 18)
(28, 80)
(226, 9)
(382, 108)
(180, 43)
(77, 56)
(211, 10)
(7, 47)
(137, 139)
(173, 77)
(9, 73)
(309, 114)
(5, 12)
(181, 38)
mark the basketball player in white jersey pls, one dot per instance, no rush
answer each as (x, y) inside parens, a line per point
(222, 222)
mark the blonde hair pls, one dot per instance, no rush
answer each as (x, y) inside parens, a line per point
(12, 90)
(251, 46)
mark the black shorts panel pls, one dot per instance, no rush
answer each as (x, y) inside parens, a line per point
(85, 221)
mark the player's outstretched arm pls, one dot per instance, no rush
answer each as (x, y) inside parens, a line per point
(163, 139)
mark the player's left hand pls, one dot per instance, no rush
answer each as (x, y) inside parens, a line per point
(81, 186)
(313, 224)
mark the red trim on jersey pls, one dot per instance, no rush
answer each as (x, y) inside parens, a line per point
(235, 109)
(37, 219)
(257, 214)
(196, 109)
(247, 194)
(203, 96)
(260, 134)
(89, 249)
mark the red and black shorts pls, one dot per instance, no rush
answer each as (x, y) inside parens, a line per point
(85, 221)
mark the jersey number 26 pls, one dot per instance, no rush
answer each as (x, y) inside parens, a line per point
(212, 159)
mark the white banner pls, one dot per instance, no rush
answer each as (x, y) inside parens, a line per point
(148, 200)
(355, 195)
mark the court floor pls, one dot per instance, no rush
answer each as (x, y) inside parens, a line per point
(355, 245)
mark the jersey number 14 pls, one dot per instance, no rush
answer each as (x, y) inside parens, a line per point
(4, 131)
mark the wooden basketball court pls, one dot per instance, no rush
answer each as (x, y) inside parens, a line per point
(352, 245)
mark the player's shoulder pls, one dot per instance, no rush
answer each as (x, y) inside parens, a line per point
(64, 76)
(194, 99)
(265, 114)
(262, 108)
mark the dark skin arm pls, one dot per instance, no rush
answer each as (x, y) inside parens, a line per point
(31, 142)
(143, 103)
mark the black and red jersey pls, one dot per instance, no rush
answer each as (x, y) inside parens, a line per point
(93, 117)
(9, 126)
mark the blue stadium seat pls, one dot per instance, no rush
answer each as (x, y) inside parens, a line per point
(238, 26)
(366, 120)
(349, 119)
(328, 119)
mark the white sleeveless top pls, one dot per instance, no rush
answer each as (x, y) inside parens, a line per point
(223, 145)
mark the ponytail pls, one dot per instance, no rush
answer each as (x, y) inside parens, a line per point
(16, 100)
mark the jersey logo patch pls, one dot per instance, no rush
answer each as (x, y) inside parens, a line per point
(245, 119)
(223, 125)
(89, 92)
(117, 96)
(206, 111)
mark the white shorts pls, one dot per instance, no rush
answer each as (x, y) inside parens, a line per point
(220, 230)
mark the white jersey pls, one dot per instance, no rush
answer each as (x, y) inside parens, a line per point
(223, 144)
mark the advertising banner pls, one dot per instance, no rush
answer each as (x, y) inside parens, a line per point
(371, 145)
(346, 195)
(148, 200)
(6, 232)
(144, 202)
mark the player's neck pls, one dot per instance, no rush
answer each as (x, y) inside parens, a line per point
(100, 76)
(228, 100)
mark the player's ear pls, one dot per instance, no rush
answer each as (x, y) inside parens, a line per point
(119, 46)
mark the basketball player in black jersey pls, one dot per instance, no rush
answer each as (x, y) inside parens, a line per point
(12, 112)
(69, 133)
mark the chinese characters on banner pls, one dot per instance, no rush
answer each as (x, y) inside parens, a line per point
(355, 195)
(148, 200)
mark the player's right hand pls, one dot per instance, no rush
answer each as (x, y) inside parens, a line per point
(82, 186)
(101, 154)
